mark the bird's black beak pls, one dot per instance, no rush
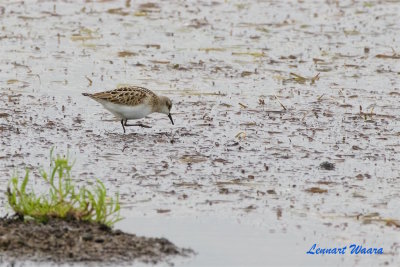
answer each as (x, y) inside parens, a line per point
(170, 117)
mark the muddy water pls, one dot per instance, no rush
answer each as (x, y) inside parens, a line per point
(263, 92)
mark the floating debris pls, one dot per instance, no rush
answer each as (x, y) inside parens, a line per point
(246, 73)
(316, 190)
(242, 105)
(212, 49)
(298, 78)
(90, 81)
(149, 7)
(315, 78)
(253, 54)
(118, 11)
(240, 135)
(85, 34)
(193, 159)
(327, 166)
(394, 56)
(276, 97)
(126, 54)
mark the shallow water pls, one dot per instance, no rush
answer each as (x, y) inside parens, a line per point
(222, 241)
(252, 120)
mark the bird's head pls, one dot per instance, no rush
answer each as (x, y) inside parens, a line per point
(165, 106)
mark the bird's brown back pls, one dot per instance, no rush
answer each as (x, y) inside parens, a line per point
(129, 95)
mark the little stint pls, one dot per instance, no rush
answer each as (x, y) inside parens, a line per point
(132, 103)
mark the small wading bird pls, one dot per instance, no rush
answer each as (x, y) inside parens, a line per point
(132, 103)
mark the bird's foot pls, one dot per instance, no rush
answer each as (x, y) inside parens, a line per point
(138, 124)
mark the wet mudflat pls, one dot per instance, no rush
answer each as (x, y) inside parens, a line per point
(286, 113)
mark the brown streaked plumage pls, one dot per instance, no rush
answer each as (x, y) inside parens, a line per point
(132, 102)
(131, 96)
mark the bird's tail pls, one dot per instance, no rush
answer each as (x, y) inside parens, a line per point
(86, 94)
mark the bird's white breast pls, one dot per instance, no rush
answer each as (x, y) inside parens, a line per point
(127, 112)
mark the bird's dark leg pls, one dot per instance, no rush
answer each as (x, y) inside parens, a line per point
(136, 124)
(122, 123)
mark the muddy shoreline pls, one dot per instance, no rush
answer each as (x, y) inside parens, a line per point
(60, 241)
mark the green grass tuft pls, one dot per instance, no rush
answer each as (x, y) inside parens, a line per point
(63, 199)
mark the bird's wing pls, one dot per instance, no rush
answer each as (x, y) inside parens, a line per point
(131, 95)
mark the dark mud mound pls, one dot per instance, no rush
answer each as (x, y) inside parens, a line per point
(72, 241)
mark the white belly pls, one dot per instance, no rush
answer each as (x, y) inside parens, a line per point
(127, 112)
